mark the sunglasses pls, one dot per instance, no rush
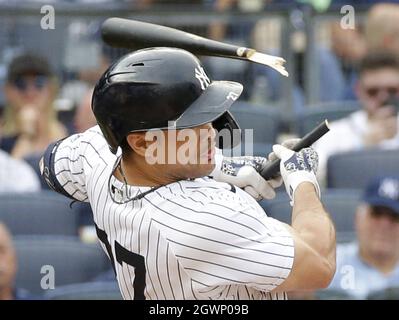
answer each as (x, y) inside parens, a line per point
(372, 92)
(38, 82)
(378, 212)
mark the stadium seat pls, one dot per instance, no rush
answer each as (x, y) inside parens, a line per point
(315, 114)
(341, 205)
(86, 291)
(72, 261)
(265, 122)
(391, 293)
(41, 213)
(332, 294)
(354, 169)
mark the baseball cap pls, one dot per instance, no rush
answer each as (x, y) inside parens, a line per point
(28, 63)
(383, 191)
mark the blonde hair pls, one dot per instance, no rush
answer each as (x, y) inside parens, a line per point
(10, 123)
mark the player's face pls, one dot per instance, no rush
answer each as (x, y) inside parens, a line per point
(191, 152)
(378, 231)
(7, 259)
(375, 86)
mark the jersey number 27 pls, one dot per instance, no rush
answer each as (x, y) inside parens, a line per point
(132, 259)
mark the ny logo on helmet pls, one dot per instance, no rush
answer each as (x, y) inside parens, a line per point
(232, 96)
(202, 77)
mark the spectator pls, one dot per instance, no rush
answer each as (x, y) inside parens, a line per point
(380, 33)
(376, 124)
(381, 29)
(8, 268)
(16, 175)
(30, 122)
(84, 117)
(349, 46)
(372, 263)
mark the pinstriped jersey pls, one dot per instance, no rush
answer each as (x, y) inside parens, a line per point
(191, 239)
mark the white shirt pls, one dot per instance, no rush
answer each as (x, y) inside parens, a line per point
(197, 239)
(16, 175)
(346, 135)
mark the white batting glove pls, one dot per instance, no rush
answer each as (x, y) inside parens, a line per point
(243, 172)
(297, 167)
(289, 144)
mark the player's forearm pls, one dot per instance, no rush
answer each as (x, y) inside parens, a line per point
(313, 223)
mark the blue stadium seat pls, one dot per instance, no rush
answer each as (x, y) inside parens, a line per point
(72, 260)
(264, 121)
(311, 116)
(86, 291)
(354, 169)
(332, 294)
(41, 213)
(391, 293)
(341, 205)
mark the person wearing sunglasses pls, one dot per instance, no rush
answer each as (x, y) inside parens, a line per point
(376, 123)
(30, 121)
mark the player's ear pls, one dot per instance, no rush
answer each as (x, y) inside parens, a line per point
(137, 142)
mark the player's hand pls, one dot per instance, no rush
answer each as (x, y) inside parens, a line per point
(297, 167)
(289, 144)
(243, 172)
(248, 178)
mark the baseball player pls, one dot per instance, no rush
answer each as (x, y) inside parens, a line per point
(170, 230)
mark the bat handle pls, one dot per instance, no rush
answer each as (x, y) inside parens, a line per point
(272, 169)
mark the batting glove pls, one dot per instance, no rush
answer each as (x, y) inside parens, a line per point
(243, 173)
(297, 167)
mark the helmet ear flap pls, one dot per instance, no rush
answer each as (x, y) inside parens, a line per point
(229, 132)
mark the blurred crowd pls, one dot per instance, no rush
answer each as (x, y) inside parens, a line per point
(358, 90)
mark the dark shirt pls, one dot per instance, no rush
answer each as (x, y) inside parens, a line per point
(8, 143)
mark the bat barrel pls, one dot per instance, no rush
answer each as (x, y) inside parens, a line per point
(133, 34)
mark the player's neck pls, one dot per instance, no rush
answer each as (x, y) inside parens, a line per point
(139, 173)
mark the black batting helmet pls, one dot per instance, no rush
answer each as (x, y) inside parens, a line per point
(160, 88)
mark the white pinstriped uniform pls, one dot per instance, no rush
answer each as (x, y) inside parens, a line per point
(198, 239)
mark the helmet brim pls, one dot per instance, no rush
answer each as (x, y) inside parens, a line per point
(213, 103)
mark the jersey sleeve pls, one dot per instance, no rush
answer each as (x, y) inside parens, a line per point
(68, 163)
(224, 242)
